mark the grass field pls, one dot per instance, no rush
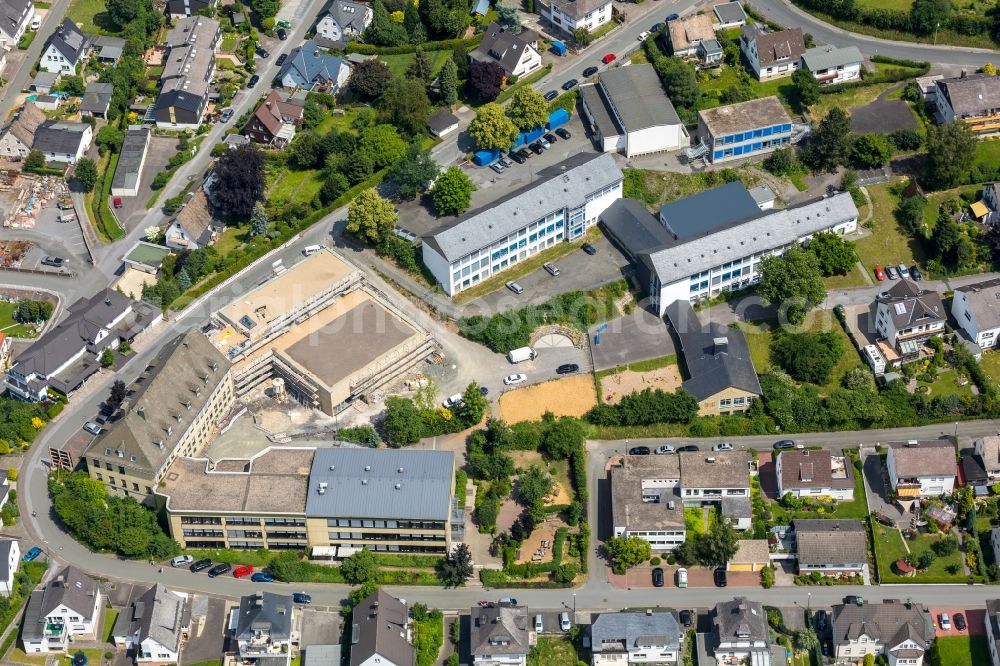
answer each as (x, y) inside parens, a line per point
(960, 651)
(110, 615)
(887, 243)
(90, 16)
(10, 327)
(991, 364)
(295, 186)
(902, 5)
(551, 651)
(399, 62)
(946, 383)
(890, 547)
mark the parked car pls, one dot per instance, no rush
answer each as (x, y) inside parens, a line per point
(220, 569)
(960, 622)
(915, 274)
(117, 201)
(262, 52)
(200, 565)
(663, 450)
(537, 148)
(517, 378)
(281, 59)
(657, 577)
(820, 620)
(687, 618)
(563, 133)
(32, 554)
(609, 58)
(904, 272)
(656, 27)
(944, 622)
(253, 81)
(55, 262)
(879, 273)
(525, 154)
(689, 447)
(642, 36)
(564, 622)
(569, 85)
(282, 34)
(892, 272)
(589, 249)
(855, 599)
(262, 577)
(787, 444)
(506, 163)
(551, 95)
(639, 451)
(242, 571)
(539, 625)
(590, 71)
(181, 561)
(92, 428)
(551, 269)
(508, 601)
(721, 580)
(672, 17)
(515, 287)
(226, 115)
(567, 368)
(550, 137)
(724, 446)
(516, 156)
(453, 401)
(682, 577)
(301, 598)
(496, 166)
(483, 390)
(544, 143)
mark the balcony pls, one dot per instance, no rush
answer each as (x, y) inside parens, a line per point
(54, 629)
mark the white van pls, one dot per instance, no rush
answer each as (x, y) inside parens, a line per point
(310, 250)
(538, 623)
(682, 577)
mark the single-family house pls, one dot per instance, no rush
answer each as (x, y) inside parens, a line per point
(772, 54)
(64, 142)
(719, 478)
(193, 227)
(64, 50)
(517, 54)
(69, 606)
(683, 35)
(274, 121)
(830, 64)
(921, 468)
(976, 308)
(10, 560)
(97, 99)
(740, 633)
(832, 547)
(343, 20)
(973, 99)
(650, 637)
(900, 630)
(17, 138)
(809, 473)
(178, 9)
(987, 450)
(570, 15)
(15, 17)
(308, 67)
(264, 628)
(499, 635)
(383, 632)
(906, 316)
(153, 627)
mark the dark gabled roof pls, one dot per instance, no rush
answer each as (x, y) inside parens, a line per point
(71, 588)
(503, 47)
(739, 620)
(829, 541)
(635, 229)
(12, 14)
(993, 620)
(909, 305)
(709, 211)
(628, 630)
(5, 545)
(350, 16)
(441, 120)
(811, 469)
(69, 40)
(973, 469)
(265, 612)
(889, 623)
(972, 93)
(311, 64)
(496, 629)
(97, 97)
(935, 457)
(158, 614)
(717, 357)
(983, 299)
(380, 629)
(772, 47)
(187, 7)
(179, 99)
(59, 137)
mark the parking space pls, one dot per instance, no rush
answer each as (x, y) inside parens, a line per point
(133, 210)
(208, 617)
(550, 620)
(974, 621)
(635, 337)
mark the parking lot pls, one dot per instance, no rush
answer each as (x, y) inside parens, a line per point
(50, 237)
(635, 337)
(133, 210)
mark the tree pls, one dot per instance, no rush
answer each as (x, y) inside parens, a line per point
(117, 395)
(258, 220)
(369, 79)
(951, 149)
(239, 181)
(35, 159)
(782, 162)
(508, 19)
(448, 82)
(793, 281)
(737, 93)
(805, 640)
(414, 171)
(869, 659)
(910, 214)
(563, 438)
(403, 423)
(452, 192)
(582, 37)
(265, 9)
(906, 138)
(836, 256)
(486, 79)
(86, 174)
(534, 485)
(926, 16)
(110, 138)
(719, 545)
(460, 56)
(382, 30)
(383, 144)
(405, 104)
(457, 568)
(946, 238)
(360, 567)
(871, 150)
(808, 357)
(107, 358)
(966, 500)
(420, 67)
(806, 87)
(528, 109)
(491, 129)
(473, 407)
(680, 81)
(829, 145)
(370, 217)
(627, 552)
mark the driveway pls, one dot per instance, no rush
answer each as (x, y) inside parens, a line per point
(133, 210)
(634, 337)
(876, 485)
(975, 621)
(208, 622)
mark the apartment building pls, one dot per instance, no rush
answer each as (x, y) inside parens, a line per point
(563, 202)
(639, 637)
(745, 129)
(188, 68)
(772, 55)
(906, 316)
(67, 608)
(176, 404)
(976, 308)
(831, 65)
(902, 631)
(571, 15)
(922, 468)
(973, 99)
(499, 635)
(811, 473)
(383, 631)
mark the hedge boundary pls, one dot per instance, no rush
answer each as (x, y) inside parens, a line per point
(443, 45)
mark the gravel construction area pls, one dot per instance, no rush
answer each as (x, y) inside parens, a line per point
(883, 115)
(571, 396)
(613, 387)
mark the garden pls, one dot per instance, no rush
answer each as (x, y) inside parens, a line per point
(959, 651)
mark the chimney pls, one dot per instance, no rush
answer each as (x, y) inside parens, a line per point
(720, 345)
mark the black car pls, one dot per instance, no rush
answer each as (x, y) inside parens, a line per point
(219, 569)
(589, 249)
(516, 156)
(536, 148)
(525, 154)
(960, 622)
(657, 577)
(301, 598)
(570, 84)
(564, 133)
(639, 451)
(689, 447)
(590, 71)
(550, 137)
(253, 81)
(483, 390)
(721, 579)
(262, 52)
(281, 59)
(201, 565)
(551, 95)
(282, 34)
(687, 619)
(915, 274)
(567, 368)
(820, 620)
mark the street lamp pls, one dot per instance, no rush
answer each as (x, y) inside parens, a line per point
(809, 596)
(936, 26)
(574, 607)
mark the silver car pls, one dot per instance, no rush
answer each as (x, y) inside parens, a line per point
(515, 287)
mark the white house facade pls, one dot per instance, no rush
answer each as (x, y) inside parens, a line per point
(976, 308)
(921, 468)
(10, 558)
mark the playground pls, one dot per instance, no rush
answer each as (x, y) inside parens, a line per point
(618, 384)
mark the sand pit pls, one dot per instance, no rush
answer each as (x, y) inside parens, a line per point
(531, 546)
(571, 396)
(613, 387)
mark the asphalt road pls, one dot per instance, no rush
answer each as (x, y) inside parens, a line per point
(19, 81)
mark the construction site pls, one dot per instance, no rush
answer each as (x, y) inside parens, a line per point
(23, 197)
(332, 339)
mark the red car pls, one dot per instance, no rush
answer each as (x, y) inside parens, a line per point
(118, 202)
(608, 57)
(879, 273)
(242, 571)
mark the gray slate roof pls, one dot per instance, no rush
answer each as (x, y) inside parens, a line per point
(709, 211)
(158, 614)
(441, 120)
(983, 299)
(560, 186)
(265, 612)
(712, 365)
(502, 47)
(824, 541)
(13, 14)
(496, 630)
(69, 40)
(909, 305)
(133, 152)
(889, 623)
(935, 457)
(830, 57)
(350, 16)
(59, 137)
(614, 632)
(634, 227)
(739, 620)
(5, 545)
(771, 229)
(993, 620)
(97, 97)
(636, 94)
(363, 483)
(311, 64)
(730, 12)
(72, 588)
(380, 629)
(972, 93)
(773, 47)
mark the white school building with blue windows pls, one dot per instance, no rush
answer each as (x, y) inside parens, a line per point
(746, 129)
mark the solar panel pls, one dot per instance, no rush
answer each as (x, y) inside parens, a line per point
(247, 322)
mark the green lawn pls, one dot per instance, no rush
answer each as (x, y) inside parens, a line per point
(946, 383)
(988, 153)
(902, 5)
(856, 508)
(890, 547)
(887, 243)
(960, 651)
(991, 364)
(551, 651)
(295, 186)
(110, 615)
(725, 76)
(229, 41)
(94, 656)
(10, 327)
(90, 15)
(694, 519)
(399, 62)
(17, 655)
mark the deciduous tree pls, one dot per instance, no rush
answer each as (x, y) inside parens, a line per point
(951, 149)
(486, 79)
(871, 150)
(793, 281)
(86, 174)
(452, 192)
(457, 568)
(627, 552)
(491, 129)
(360, 567)
(808, 357)
(369, 79)
(926, 16)
(405, 105)
(528, 109)
(828, 147)
(383, 144)
(806, 87)
(370, 217)
(414, 171)
(239, 181)
(35, 159)
(836, 256)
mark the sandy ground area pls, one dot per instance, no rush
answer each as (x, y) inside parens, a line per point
(545, 532)
(571, 396)
(613, 387)
(560, 493)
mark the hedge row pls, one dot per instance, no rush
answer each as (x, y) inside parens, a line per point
(444, 45)
(873, 78)
(893, 19)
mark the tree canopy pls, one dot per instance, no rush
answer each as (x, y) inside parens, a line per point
(452, 192)
(370, 217)
(836, 256)
(792, 281)
(828, 146)
(807, 357)
(414, 171)
(239, 181)
(951, 150)
(491, 129)
(486, 79)
(360, 567)
(627, 552)
(528, 109)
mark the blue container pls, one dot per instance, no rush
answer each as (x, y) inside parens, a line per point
(485, 157)
(557, 118)
(559, 48)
